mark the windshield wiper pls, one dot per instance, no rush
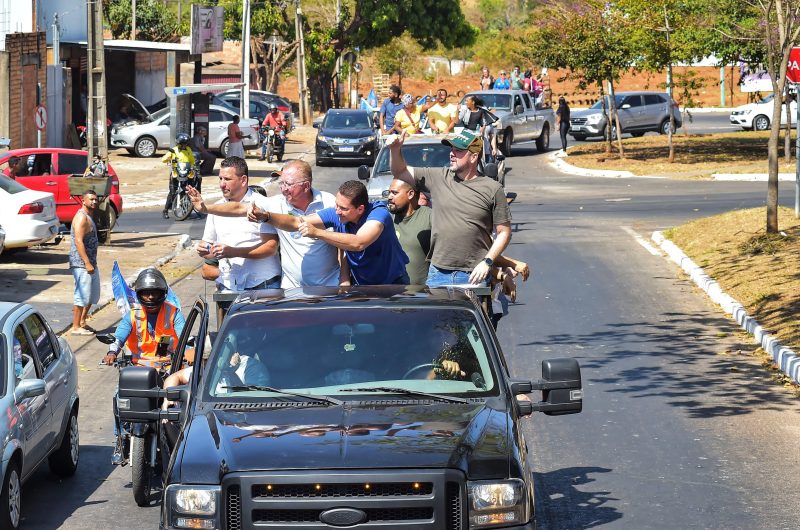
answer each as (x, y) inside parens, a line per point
(406, 392)
(260, 388)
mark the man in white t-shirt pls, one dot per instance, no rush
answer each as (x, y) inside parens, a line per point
(247, 252)
(304, 261)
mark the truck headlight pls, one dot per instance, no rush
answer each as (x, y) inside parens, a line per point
(497, 503)
(193, 506)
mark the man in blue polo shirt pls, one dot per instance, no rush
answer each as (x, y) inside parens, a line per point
(364, 230)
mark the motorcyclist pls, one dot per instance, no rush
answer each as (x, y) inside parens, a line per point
(181, 152)
(277, 121)
(153, 322)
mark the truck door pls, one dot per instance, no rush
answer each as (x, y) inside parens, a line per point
(533, 123)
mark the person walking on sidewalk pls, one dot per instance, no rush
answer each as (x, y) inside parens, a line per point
(562, 121)
(83, 263)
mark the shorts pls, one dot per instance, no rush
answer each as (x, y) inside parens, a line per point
(87, 286)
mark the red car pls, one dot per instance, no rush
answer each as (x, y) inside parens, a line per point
(48, 169)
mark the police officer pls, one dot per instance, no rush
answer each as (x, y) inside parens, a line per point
(180, 153)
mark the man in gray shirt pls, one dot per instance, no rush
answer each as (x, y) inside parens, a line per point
(467, 208)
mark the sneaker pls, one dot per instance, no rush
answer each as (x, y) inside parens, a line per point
(165, 214)
(117, 458)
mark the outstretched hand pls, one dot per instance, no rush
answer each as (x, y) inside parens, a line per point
(197, 199)
(396, 143)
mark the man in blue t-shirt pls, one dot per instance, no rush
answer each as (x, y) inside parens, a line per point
(364, 230)
(389, 108)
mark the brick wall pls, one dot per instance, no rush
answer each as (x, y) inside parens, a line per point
(27, 66)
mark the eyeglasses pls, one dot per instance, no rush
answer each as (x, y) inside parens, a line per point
(287, 185)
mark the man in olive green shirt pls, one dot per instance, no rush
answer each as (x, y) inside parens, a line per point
(412, 223)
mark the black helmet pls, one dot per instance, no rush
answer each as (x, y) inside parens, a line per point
(273, 107)
(182, 138)
(151, 280)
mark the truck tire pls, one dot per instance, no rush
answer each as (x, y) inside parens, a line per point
(543, 142)
(508, 139)
(140, 471)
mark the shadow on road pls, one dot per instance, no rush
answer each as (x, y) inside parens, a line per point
(698, 364)
(560, 504)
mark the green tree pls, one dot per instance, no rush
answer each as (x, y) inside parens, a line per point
(153, 22)
(401, 57)
(767, 31)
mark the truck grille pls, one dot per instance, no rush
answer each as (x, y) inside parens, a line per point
(399, 499)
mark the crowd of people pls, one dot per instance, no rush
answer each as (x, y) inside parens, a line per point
(513, 81)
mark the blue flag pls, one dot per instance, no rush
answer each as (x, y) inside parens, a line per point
(372, 99)
(123, 294)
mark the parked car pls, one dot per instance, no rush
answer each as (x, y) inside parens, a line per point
(322, 422)
(519, 119)
(39, 402)
(49, 169)
(233, 97)
(144, 138)
(639, 112)
(758, 116)
(346, 134)
(28, 216)
(419, 150)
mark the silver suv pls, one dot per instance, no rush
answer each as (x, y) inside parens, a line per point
(639, 112)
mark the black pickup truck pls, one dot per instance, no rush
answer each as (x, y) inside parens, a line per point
(383, 407)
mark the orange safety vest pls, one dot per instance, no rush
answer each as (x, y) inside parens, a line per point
(142, 345)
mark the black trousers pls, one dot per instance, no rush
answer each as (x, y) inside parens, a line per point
(563, 129)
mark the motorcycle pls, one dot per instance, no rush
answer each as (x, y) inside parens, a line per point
(273, 141)
(186, 175)
(141, 443)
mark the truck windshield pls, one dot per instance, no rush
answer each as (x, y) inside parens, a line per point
(346, 352)
(417, 155)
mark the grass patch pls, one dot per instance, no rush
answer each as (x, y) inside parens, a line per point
(761, 271)
(696, 156)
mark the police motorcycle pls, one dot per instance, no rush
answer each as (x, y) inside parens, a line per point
(273, 142)
(147, 432)
(186, 174)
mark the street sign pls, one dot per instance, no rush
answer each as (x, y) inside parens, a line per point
(793, 69)
(41, 117)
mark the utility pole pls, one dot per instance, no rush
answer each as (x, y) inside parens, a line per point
(302, 80)
(244, 108)
(96, 134)
(133, 19)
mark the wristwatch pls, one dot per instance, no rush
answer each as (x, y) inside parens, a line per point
(489, 261)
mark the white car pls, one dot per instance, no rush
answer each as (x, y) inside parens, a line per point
(27, 216)
(758, 116)
(146, 136)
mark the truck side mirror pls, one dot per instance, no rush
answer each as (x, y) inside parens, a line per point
(518, 109)
(561, 387)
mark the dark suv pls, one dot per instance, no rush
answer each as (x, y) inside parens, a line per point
(639, 112)
(388, 407)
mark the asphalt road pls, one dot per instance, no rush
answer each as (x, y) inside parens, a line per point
(678, 429)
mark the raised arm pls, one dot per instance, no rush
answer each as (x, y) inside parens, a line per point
(357, 242)
(227, 209)
(397, 163)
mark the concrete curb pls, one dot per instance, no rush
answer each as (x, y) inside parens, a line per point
(184, 242)
(784, 357)
(752, 177)
(557, 159)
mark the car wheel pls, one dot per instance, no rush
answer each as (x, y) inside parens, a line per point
(223, 148)
(64, 461)
(508, 139)
(11, 499)
(145, 147)
(760, 123)
(664, 128)
(543, 142)
(613, 133)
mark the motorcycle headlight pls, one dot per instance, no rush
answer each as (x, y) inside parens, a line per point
(193, 506)
(497, 503)
(594, 118)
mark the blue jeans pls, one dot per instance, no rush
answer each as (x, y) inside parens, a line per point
(442, 277)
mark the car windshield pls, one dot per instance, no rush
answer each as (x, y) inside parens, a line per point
(417, 155)
(767, 99)
(337, 120)
(599, 104)
(10, 185)
(334, 351)
(159, 114)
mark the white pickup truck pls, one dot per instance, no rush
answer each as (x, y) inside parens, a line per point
(519, 119)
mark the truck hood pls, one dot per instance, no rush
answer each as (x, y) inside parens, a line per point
(473, 438)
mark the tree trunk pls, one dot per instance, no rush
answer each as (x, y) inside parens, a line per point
(787, 140)
(772, 162)
(613, 103)
(607, 115)
(671, 157)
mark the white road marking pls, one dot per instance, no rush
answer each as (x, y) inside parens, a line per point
(642, 241)
(621, 199)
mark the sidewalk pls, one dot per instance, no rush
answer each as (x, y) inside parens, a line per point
(144, 184)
